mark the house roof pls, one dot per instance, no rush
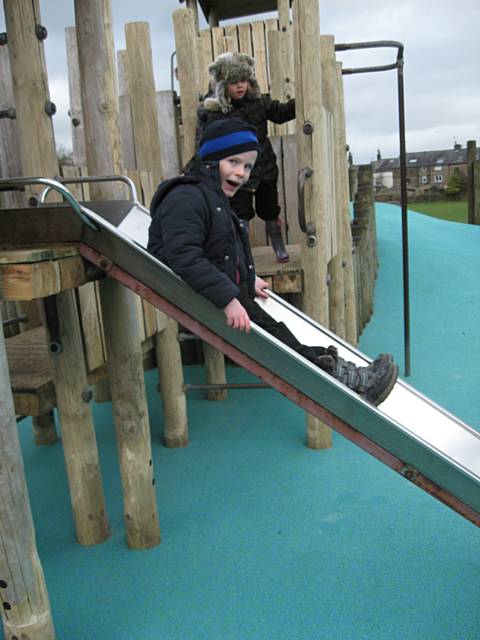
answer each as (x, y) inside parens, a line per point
(227, 9)
(445, 157)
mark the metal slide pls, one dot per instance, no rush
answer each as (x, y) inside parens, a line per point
(408, 432)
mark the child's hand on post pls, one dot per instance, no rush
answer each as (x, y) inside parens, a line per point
(237, 317)
(260, 287)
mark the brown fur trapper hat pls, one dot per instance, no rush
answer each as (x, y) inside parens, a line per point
(230, 67)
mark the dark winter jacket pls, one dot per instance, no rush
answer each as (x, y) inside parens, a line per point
(257, 112)
(195, 232)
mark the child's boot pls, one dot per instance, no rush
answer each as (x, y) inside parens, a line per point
(274, 231)
(373, 382)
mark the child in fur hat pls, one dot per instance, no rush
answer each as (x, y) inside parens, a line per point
(197, 234)
(234, 92)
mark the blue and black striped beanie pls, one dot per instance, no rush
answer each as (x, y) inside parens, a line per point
(227, 137)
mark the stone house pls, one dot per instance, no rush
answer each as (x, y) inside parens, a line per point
(425, 169)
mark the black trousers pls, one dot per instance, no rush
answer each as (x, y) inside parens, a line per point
(266, 202)
(277, 329)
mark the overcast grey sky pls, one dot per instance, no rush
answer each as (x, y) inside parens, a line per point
(442, 53)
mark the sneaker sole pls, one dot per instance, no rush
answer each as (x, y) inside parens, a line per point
(388, 387)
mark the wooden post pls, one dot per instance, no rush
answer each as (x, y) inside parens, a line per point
(141, 88)
(212, 18)
(148, 152)
(76, 116)
(120, 320)
(170, 371)
(44, 429)
(125, 113)
(283, 14)
(187, 47)
(10, 162)
(78, 431)
(310, 142)
(473, 176)
(39, 158)
(351, 330)
(214, 371)
(193, 5)
(127, 386)
(30, 86)
(26, 607)
(169, 134)
(336, 296)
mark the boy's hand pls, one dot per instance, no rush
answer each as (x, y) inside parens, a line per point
(260, 287)
(237, 317)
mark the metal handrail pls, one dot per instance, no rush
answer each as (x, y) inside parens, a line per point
(399, 65)
(16, 184)
(87, 179)
(307, 227)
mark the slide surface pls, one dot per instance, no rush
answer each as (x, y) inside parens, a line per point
(408, 432)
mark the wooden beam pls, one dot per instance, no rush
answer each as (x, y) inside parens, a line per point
(187, 47)
(125, 360)
(30, 85)
(75, 111)
(310, 147)
(25, 605)
(141, 88)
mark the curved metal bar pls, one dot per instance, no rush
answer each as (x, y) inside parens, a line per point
(399, 66)
(14, 184)
(307, 227)
(81, 179)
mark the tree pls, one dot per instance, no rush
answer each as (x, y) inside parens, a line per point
(457, 184)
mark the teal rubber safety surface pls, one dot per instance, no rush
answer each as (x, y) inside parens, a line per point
(264, 539)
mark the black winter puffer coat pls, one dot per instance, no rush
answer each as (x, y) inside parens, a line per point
(257, 112)
(195, 232)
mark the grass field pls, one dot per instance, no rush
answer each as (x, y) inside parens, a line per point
(446, 209)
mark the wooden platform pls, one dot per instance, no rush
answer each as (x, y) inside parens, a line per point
(283, 277)
(31, 375)
(30, 273)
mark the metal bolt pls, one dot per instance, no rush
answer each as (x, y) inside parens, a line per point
(50, 108)
(308, 128)
(55, 348)
(75, 122)
(87, 394)
(3, 38)
(41, 31)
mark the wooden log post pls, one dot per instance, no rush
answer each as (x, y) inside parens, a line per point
(167, 114)
(169, 362)
(351, 329)
(31, 95)
(148, 143)
(141, 88)
(75, 111)
(124, 353)
(193, 5)
(473, 178)
(188, 52)
(30, 85)
(23, 592)
(78, 431)
(310, 142)
(336, 295)
(10, 161)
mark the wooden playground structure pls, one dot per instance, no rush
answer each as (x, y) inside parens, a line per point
(73, 334)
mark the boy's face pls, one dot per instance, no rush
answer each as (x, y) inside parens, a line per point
(236, 90)
(235, 171)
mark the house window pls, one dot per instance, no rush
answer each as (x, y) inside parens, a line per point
(424, 179)
(438, 178)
